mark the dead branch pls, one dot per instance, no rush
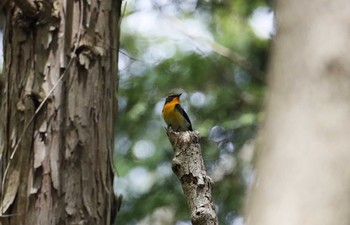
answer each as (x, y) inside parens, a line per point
(189, 167)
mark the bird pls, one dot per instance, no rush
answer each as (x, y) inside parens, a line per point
(174, 115)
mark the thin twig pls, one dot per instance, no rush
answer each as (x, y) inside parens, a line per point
(222, 50)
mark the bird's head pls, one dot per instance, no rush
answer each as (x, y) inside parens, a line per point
(172, 97)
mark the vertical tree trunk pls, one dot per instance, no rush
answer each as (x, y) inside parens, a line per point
(303, 166)
(60, 71)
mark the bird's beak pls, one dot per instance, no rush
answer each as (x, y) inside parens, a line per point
(179, 95)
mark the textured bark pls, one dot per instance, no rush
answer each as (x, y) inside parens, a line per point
(189, 167)
(303, 164)
(27, 7)
(57, 112)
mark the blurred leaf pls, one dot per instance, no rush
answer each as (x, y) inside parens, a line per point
(161, 55)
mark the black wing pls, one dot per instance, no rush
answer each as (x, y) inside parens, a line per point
(182, 111)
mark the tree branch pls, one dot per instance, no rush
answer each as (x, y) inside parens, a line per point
(219, 49)
(189, 168)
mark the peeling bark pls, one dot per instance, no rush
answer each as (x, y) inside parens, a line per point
(27, 7)
(189, 167)
(57, 113)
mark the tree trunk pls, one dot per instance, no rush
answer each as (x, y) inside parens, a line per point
(303, 164)
(57, 109)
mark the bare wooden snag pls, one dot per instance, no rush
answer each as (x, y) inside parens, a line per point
(189, 168)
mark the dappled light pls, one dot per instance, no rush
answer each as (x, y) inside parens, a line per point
(156, 112)
(262, 22)
(215, 54)
(143, 149)
(198, 99)
(137, 181)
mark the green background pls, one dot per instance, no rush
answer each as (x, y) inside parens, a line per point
(172, 46)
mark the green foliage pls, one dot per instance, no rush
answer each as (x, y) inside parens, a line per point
(161, 55)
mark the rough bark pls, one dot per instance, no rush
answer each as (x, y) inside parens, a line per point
(28, 7)
(57, 112)
(303, 174)
(189, 167)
